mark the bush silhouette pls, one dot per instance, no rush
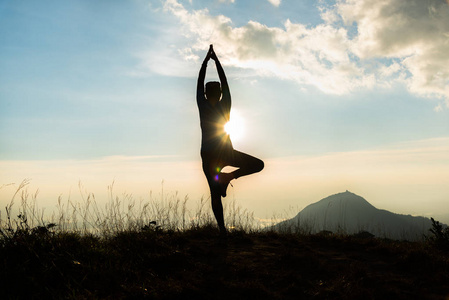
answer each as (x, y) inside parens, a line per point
(440, 236)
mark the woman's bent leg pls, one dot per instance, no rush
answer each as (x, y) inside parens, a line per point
(247, 164)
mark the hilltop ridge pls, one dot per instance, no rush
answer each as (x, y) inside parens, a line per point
(195, 264)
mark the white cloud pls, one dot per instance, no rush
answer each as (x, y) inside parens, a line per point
(394, 40)
(416, 32)
(225, 1)
(315, 56)
(275, 2)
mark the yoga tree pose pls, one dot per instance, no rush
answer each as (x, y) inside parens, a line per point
(216, 147)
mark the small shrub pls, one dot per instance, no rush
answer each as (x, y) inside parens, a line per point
(440, 237)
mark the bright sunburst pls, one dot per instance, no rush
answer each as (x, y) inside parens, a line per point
(236, 126)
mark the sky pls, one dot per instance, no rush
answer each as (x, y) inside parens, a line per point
(332, 95)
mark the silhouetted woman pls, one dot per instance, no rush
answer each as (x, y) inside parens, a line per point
(216, 147)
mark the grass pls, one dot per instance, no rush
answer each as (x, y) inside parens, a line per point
(119, 214)
(160, 250)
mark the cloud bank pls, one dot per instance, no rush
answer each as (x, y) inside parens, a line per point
(415, 33)
(359, 44)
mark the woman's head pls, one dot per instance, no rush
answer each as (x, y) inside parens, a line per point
(213, 91)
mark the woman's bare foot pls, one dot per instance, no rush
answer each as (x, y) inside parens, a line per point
(223, 180)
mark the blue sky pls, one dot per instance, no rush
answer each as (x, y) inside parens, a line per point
(83, 83)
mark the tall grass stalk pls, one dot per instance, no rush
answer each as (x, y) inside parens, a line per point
(119, 213)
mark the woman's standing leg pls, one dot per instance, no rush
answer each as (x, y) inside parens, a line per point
(217, 208)
(211, 170)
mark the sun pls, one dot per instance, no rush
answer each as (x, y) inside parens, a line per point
(236, 126)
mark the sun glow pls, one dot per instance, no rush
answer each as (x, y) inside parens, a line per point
(236, 126)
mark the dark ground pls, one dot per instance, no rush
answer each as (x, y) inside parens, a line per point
(197, 265)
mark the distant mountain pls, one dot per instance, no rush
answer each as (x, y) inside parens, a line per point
(349, 213)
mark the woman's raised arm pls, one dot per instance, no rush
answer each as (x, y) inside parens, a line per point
(226, 94)
(202, 76)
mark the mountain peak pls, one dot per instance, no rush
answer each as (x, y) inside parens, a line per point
(351, 213)
(342, 199)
